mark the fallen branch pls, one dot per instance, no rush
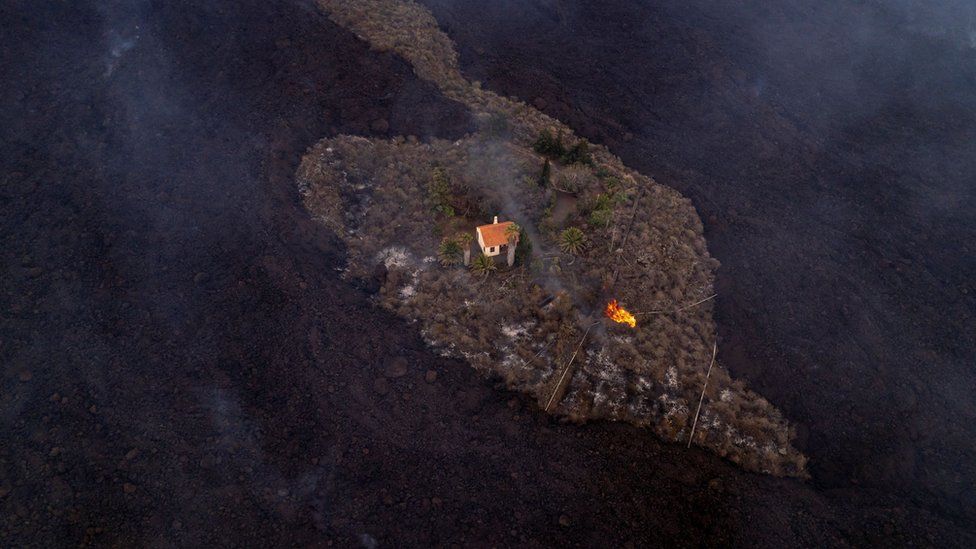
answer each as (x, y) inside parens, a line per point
(704, 385)
(537, 355)
(568, 366)
(630, 226)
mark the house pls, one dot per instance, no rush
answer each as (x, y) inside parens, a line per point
(493, 238)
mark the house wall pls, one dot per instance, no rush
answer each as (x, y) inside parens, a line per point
(485, 249)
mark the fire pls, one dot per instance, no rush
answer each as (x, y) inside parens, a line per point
(617, 313)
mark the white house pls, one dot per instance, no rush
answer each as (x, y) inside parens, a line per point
(493, 239)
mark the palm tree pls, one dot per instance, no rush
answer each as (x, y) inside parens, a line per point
(449, 252)
(483, 265)
(512, 233)
(464, 239)
(572, 241)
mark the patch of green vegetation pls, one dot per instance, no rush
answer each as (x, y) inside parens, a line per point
(550, 146)
(449, 252)
(439, 193)
(545, 175)
(523, 253)
(572, 241)
(483, 265)
(600, 218)
(578, 154)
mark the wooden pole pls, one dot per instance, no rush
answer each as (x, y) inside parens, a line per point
(633, 216)
(695, 423)
(565, 371)
(678, 310)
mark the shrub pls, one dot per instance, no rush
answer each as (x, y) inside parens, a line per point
(580, 153)
(574, 179)
(599, 209)
(601, 217)
(550, 146)
(523, 254)
(602, 202)
(572, 241)
(483, 265)
(449, 252)
(439, 192)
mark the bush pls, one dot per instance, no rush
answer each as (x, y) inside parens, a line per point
(550, 146)
(601, 217)
(523, 253)
(579, 154)
(572, 241)
(450, 252)
(439, 193)
(483, 265)
(574, 179)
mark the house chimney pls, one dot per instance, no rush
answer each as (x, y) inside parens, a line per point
(495, 222)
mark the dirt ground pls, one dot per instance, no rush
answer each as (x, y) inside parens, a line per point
(183, 366)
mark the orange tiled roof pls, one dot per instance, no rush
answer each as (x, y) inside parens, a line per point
(493, 234)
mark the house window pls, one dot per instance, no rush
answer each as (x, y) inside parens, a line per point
(491, 250)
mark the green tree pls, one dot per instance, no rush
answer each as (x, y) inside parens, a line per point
(449, 252)
(572, 241)
(550, 146)
(546, 174)
(439, 192)
(483, 265)
(464, 239)
(512, 234)
(523, 255)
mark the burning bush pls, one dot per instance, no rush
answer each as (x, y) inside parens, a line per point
(618, 314)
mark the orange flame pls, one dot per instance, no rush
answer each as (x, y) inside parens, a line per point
(617, 313)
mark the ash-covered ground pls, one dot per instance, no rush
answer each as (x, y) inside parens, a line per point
(183, 365)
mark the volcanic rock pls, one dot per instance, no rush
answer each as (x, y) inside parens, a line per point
(396, 368)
